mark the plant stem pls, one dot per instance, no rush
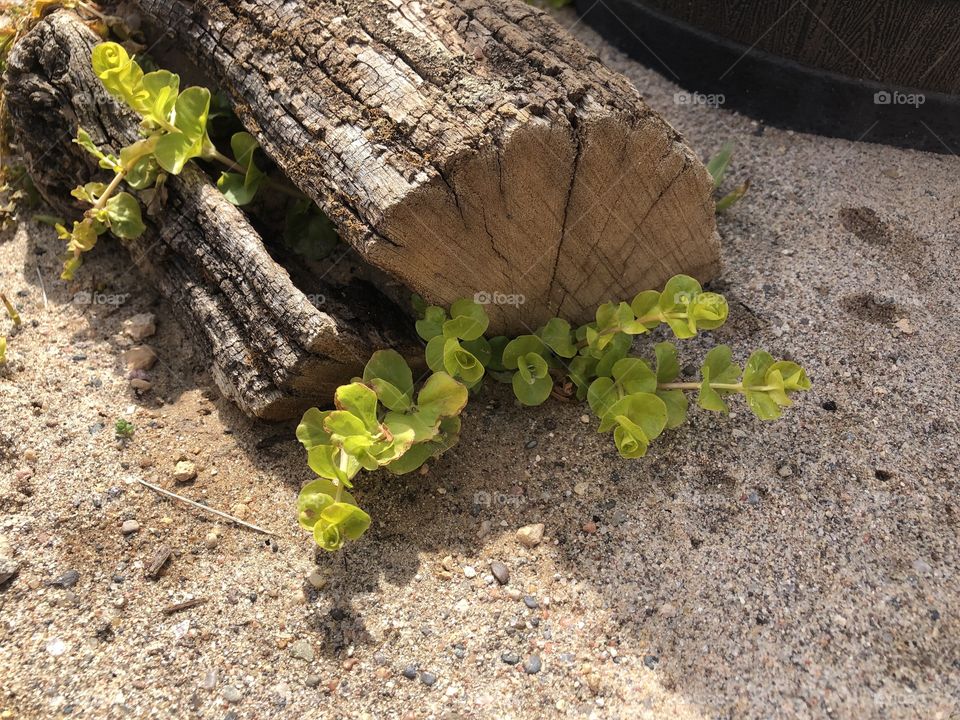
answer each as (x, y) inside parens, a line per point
(111, 189)
(215, 154)
(732, 387)
(11, 310)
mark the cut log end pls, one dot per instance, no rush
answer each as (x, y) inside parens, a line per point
(555, 222)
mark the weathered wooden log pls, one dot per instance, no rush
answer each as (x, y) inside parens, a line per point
(463, 147)
(270, 348)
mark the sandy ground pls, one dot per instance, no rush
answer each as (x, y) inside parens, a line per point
(806, 568)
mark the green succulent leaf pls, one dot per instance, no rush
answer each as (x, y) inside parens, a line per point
(480, 349)
(718, 164)
(615, 351)
(717, 368)
(601, 396)
(520, 346)
(123, 213)
(339, 522)
(316, 496)
(307, 231)
(442, 396)
(174, 149)
(646, 307)
(668, 366)
(236, 188)
(633, 375)
(89, 193)
(708, 311)
(431, 324)
(679, 292)
(83, 139)
(391, 378)
(461, 363)
(582, 370)
(532, 383)
(676, 403)
(160, 90)
(468, 321)
(556, 335)
(417, 455)
(497, 345)
(638, 419)
(360, 401)
(120, 75)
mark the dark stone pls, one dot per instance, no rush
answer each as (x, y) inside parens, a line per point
(650, 661)
(410, 672)
(510, 658)
(500, 571)
(428, 678)
(67, 580)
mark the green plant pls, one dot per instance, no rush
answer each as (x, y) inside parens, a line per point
(717, 166)
(123, 429)
(17, 322)
(378, 423)
(174, 131)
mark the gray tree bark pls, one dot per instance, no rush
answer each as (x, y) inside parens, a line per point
(270, 349)
(463, 147)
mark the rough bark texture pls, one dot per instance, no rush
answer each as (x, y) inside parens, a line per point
(469, 147)
(270, 349)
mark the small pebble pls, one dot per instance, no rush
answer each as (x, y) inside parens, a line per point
(410, 672)
(531, 444)
(129, 527)
(140, 357)
(500, 572)
(590, 527)
(785, 471)
(530, 535)
(67, 580)
(211, 540)
(140, 327)
(184, 471)
(312, 680)
(231, 694)
(532, 665)
(302, 650)
(428, 678)
(317, 579)
(510, 658)
(530, 602)
(56, 647)
(469, 571)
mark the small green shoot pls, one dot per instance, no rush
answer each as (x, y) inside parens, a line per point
(123, 429)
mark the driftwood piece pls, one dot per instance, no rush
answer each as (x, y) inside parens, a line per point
(463, 147)
(270, 349)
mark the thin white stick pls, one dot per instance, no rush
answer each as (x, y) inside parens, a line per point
(200, 506)
(42, 288)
